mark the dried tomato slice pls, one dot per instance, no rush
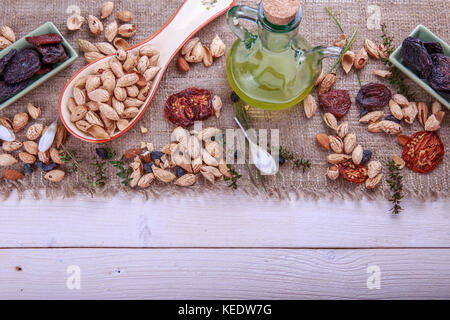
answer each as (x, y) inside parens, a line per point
(353, 173)
(187, 106)
(423, 151)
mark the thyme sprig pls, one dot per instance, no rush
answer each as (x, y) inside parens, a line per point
(124, 171)
(299, 162)
(395, 182)
(235, 176)
(397, 80)
(75, 165)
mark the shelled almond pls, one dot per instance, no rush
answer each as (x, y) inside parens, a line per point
(106, 101)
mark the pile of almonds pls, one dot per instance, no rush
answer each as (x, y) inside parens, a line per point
(403, 110)
(194, 51)
(27, 151)
(7, 37)
(345, 148)
(114, 33)
(109, 98)
(189, 152)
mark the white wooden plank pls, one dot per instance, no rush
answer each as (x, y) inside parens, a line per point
(212, 221)
(225, 273)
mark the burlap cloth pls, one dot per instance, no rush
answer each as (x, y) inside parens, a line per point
(297, 134)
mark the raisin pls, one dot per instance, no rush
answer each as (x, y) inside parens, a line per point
(433, 47)
(281, 160)
(49, 167)
(9, 90)
(148, 167)
(423, 151)
(416, 57)
(50, 38)
(363, 112)
(390, 117)
(352, 172)
(367, 155)
(22, 66)
(155, 155)
(52, 53)
(337, 102)
(27, 168)
(4, 61)
(373, 95)
(188, 106)
(180, 172)
(102, 153)
(234, 97)
(440, 77)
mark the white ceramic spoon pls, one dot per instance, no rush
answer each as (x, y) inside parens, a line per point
(190, 18)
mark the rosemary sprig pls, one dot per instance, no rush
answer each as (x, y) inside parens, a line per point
(299, 163)
(395, 181)
(124, 171)
(335, 19)
(397, 80)
(358, 75)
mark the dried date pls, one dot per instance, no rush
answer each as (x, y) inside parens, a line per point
(5, 60)
(423, 151)
(353, 173)
(50, 38)
(433, 47)
(52, 53)
(22, 66)
(440, 77)
(337, 102)
(187, 106)
(416, 57)
(9, 90)
(373, 95)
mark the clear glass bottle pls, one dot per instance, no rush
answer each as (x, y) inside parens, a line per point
(275, 67)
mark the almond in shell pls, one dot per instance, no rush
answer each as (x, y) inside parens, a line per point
(7, 160)
(95, 25)
(333, 172)
(218, 47)
(55, 175)
(310, 106)
(31, 147)
(33, 111)
(336, 158)
(327, 83)
(396, 109)
(372, 183)
(348, 59)
(25, 157)
(146, 180)
(124, 16)
(186, 180)
(371, 117)
(163, 175)
(10, 146)
(336, 144)
(55, 156)
(374, 168)
(349, 143)
(357, 154)
(35, 131)
(19, 122)
(422, 115)
(44, 157)
(111, 31)
(361, 59)
(371, 49)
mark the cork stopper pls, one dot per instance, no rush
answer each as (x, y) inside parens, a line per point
(280, 12)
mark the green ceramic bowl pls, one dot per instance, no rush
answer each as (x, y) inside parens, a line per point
(422, 33)
(38, 80)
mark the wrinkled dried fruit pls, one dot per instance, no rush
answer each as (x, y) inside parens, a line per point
(336, 102)
(423, 152)
(416, 57)
(12, 175)
(9, 90)
(440, 76)
(433, 47)
(49, 38)
(22, 66)
(5, 60)
(187, 106)
(52, 53)
(353, 173)
(373, 95)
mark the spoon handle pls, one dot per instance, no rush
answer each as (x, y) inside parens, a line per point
(190, 17)
(242, 129)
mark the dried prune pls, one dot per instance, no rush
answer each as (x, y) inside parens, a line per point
(390, 117)
(416, 57)
(352, 172)
(187, 106)
(423, 151)
(50, 38)
(337, 102)
(9, 90)
(433, 47)
(373, 95)
(52, 53)
(4, 61)
(22, 66)
(440, 77)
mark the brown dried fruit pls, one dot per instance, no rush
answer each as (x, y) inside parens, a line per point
(323, 141)
(337, 102)
(182, 64)
(12, 175)
(353, 173)
(373, 95)
(423, 152)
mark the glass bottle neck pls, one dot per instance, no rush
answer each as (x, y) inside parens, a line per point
(277, 38)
